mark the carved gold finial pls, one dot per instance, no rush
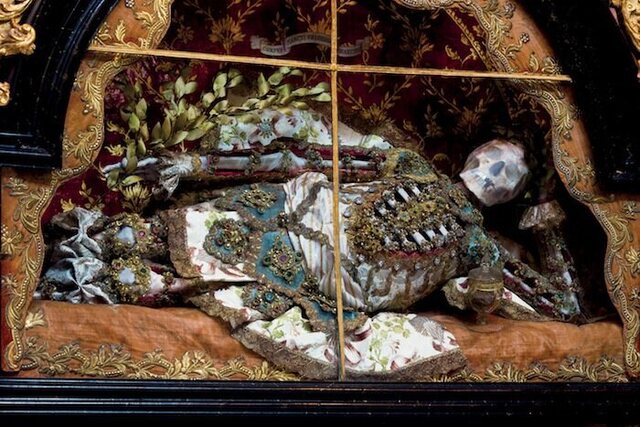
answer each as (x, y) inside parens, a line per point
(15, 38)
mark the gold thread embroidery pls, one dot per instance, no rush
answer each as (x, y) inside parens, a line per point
(114, 361)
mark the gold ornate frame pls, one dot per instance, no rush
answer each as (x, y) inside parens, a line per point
(15, 38)
(25, 195)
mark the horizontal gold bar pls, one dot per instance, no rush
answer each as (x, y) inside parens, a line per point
(452, 73)
(179, 54)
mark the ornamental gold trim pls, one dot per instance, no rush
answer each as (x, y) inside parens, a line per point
(571, 369)
(115, 361)
(577, 173)
(15, 38)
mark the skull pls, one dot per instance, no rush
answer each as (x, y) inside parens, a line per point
(495, 172)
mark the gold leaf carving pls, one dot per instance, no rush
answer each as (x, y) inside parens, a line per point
(631, 15)
(15, 38)
(5, 93)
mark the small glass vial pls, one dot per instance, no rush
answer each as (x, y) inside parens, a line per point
(485, 290)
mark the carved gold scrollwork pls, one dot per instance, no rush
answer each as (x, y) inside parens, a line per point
(631, 14)
(15, 38)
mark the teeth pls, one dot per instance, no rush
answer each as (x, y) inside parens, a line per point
(443, 230)
(414, 189)
(401, 191)
(419, 238)
(381, 210)
(431, 234)
(391, 202)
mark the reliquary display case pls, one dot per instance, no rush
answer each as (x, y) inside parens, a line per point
(311, 205)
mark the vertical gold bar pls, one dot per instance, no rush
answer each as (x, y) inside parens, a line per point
(336, 185)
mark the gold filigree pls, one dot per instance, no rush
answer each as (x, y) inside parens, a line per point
(113, 361)
(258, 199)
(15, 38)
(572, 369)
(282, 260)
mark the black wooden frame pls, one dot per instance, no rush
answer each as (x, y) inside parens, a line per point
(31, 134)
(32, 125)
(290, 402)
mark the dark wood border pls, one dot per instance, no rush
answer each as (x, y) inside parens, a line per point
(287, 402)
(32, 125)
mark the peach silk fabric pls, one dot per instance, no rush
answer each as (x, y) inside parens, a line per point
(175, 331)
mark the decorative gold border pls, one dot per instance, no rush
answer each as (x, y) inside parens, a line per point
(29, 194)
(15, 38)
(114, 361)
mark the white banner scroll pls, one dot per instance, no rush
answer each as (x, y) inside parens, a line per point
(346, 51)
